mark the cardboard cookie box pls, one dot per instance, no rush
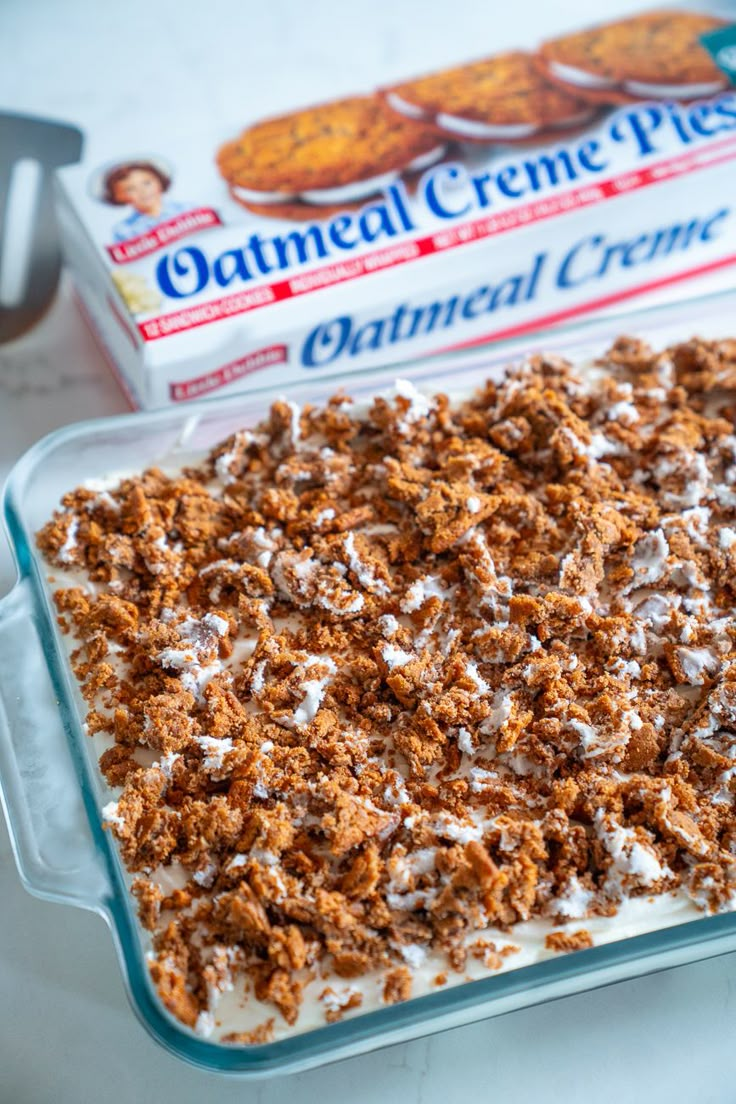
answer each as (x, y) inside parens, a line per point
(482, 200)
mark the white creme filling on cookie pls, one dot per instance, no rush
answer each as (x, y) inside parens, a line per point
(341, 193)
(471, 128)
(398, 103)
(674, 91)
(474, 130)
(582, 79)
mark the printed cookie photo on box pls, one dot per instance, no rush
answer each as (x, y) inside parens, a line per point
(499, 99)
(657, 55)
(322, 159)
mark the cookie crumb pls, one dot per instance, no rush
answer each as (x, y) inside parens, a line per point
(568, 941)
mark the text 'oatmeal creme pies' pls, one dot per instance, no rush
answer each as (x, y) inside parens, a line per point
(656, 55)
(498, 99)
(322, 159)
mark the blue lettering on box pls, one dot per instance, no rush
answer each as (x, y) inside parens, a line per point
(326, 342)
(341, 336)
(440, 188)
(183, 274)
(450, 191)
(587, 260)
(596, 256)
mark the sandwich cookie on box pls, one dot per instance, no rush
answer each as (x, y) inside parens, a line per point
(320, 160)
(504, 98)
(657, 55)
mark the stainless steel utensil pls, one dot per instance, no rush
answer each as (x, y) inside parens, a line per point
(30, 149)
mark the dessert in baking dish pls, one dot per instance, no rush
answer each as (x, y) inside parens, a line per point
(395, 696)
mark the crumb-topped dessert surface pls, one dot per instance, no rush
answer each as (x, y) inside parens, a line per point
(373, 683)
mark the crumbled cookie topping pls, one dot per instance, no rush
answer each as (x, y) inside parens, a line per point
(569, 941)
(376, 682)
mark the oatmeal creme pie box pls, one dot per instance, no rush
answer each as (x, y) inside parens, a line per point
(484, 199)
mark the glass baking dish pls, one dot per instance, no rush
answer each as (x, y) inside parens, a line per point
(52, 791)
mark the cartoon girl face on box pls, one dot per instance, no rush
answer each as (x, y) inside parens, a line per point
(142, 186)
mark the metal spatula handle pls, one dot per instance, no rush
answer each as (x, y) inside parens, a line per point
(30, 150)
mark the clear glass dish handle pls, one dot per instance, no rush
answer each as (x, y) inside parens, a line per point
(53, 845)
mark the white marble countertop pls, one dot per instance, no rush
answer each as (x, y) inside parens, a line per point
(68, 1035)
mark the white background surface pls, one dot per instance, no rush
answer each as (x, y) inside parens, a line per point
(67, 1034)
